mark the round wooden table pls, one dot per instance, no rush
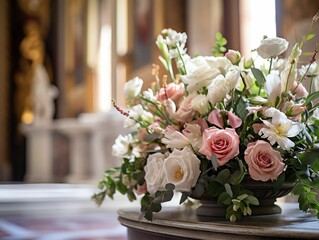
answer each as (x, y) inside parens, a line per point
(182, 223)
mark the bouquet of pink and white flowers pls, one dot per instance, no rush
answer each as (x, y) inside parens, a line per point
(216, 121)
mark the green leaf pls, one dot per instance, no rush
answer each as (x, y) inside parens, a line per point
(168, 195)
(199, 189)
(223, 176)
(311, 97)
(279, 182)
(260, 78)
(184, 197)
(242, 196)
(156, 207)
(224, 198)
(237, 177)
(148, 215)
(252, 200)
(213, 159)
(309, 157)
(310, 36)
(228, 190)
(169, 187)
(214, 188)
(218, 36)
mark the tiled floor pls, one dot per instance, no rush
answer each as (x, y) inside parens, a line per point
(57, 212)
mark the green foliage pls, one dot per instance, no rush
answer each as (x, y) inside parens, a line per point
(152, 204)
(219, 47)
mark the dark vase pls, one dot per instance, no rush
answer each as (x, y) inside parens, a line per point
(262, 190)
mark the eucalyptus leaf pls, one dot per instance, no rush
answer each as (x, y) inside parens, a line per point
(156, 207)
(224, 198)
(213, 159)
(184, 197)
(252, 200)
(228, 190)
(260, 78)
(223, 176)
(169, 186)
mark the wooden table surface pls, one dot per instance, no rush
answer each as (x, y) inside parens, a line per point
(181, 223)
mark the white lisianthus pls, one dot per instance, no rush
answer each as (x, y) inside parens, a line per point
(279, 129)
(174, 139)
(273, 88)
(182, 168)
(200, 104)
(133, 87)
(154, 175)
(149, 95)
(194, 134)
(137, 113)
(201, 71)
(173, 38)
(121, 147)
(272, 47)
(310, 70)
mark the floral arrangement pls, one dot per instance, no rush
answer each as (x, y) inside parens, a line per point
(215, 121)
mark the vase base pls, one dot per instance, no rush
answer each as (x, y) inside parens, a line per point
(213, 209)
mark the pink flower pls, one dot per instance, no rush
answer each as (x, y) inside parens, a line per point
(173, 91)
(300, 90)
(216, 118)
(264, 163)
(174, 139)
(185, 112)
(141, 189)
(224, 143)
(257, 127)
(202, 123)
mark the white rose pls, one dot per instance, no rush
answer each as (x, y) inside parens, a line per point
(272, 47)
(203, 70)
(182, 168)
(154, 175)
(218, 90)
(133, 87)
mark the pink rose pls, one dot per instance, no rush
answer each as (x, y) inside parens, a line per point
(173, 91)
(264, 163)
(224, 143)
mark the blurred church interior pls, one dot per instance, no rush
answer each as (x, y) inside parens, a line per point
(61, 64)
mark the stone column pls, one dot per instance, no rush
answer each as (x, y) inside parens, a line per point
(39, 153)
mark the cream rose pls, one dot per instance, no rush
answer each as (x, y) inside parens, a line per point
(224, 143)
(264, 163)
(154, 175)
(182, 168)
(272, 47)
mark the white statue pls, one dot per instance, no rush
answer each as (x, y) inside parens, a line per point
(43, 94)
